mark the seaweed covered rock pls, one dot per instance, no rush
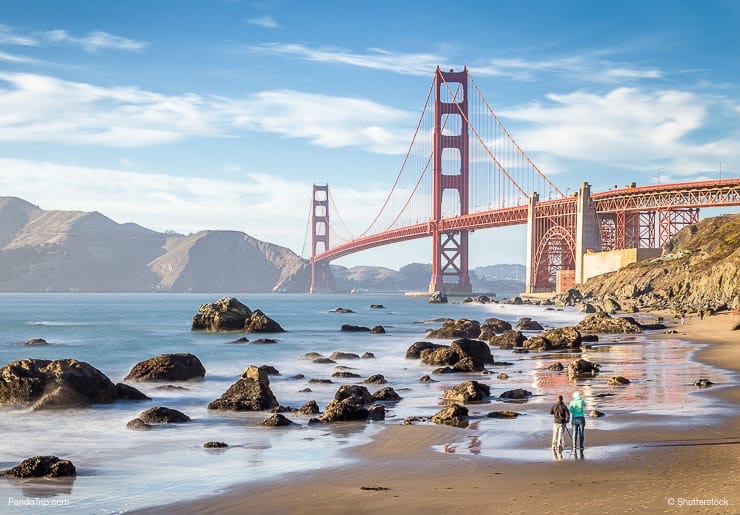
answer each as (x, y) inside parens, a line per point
(508, 340)
(602, 322)
(462, 328)
(168, 367)
(414, 352)
(454, 415)
(493, 326)
(469, 391)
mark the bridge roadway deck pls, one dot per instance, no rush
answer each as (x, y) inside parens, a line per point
(644, 198)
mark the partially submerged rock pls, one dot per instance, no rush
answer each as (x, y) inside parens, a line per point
(438, 297)
(493, 326)
(278, 420)
(250, 393)
(386, 393)
(139, 425)
(226, 314)
(703, 383)
(618, 381)
(503, 414)
(41, 466)
(516, 394)
(527, 324)
(163, 415)
(63, 383)
(582, 368)
(510, 339)
(462, 328)
(469, 391)
(602, 322)
(168, 367)
(215, 445)
(35, 342)
(414, 352)
(454, 415)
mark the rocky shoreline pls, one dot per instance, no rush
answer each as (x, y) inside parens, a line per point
(40, 384)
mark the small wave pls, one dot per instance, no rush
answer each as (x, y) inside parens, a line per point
(53, 323)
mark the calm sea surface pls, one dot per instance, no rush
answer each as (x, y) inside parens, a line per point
(120, 469)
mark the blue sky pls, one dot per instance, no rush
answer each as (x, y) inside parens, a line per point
(185, 115)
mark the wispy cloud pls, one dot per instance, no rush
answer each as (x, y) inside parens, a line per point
(95, 41)
(631, 127)
(266, 21)
(375, 58)
(270, 208)
(41, 108)
(591, 66)
(14, 58)
(9, 37)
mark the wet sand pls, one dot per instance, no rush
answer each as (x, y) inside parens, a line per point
(398, 472)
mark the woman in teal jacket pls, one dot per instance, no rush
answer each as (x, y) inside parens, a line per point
(577, 407)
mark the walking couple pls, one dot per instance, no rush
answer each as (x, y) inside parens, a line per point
(562, 415)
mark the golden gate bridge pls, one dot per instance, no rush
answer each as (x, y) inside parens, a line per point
(463, 171)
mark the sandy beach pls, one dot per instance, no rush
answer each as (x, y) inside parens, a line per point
(678, 468)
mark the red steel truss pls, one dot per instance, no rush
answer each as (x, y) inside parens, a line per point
(609, 204)
(554, 232)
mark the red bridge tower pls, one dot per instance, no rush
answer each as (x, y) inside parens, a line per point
(450, 248)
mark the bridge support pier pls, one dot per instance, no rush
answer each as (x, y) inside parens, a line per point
(588, 230)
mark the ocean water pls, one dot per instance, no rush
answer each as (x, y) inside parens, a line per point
(121, 470)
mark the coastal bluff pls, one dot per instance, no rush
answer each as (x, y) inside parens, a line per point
(699, 269)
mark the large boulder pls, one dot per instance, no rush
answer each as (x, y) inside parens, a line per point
(226, 314)
(258, 322)
(250, 393)
(387, 393)
(124, 392)
(508, 340)
(440, 356)
(63, 383)
(438, 297)
(462, 328)
(347, 409)
(414, 352)
(41, 466)
(469, 391)
(602, 322)
(168, 367)
(162, 415)
(582, 368)
(355, 391)
(476, 349)
(454, 415)
(559, 338)
(493, 326)
(527, 324)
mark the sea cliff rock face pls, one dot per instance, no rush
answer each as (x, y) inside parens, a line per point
(63, 383)
(699, 268)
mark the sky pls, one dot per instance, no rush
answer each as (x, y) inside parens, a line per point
(221, 114)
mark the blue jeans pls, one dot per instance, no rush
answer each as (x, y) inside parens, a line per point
(579, 424)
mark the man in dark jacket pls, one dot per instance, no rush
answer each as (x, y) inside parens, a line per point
(561, 416)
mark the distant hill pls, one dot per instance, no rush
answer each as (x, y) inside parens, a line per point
(79, 251)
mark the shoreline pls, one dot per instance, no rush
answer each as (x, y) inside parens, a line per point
(399, 472)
